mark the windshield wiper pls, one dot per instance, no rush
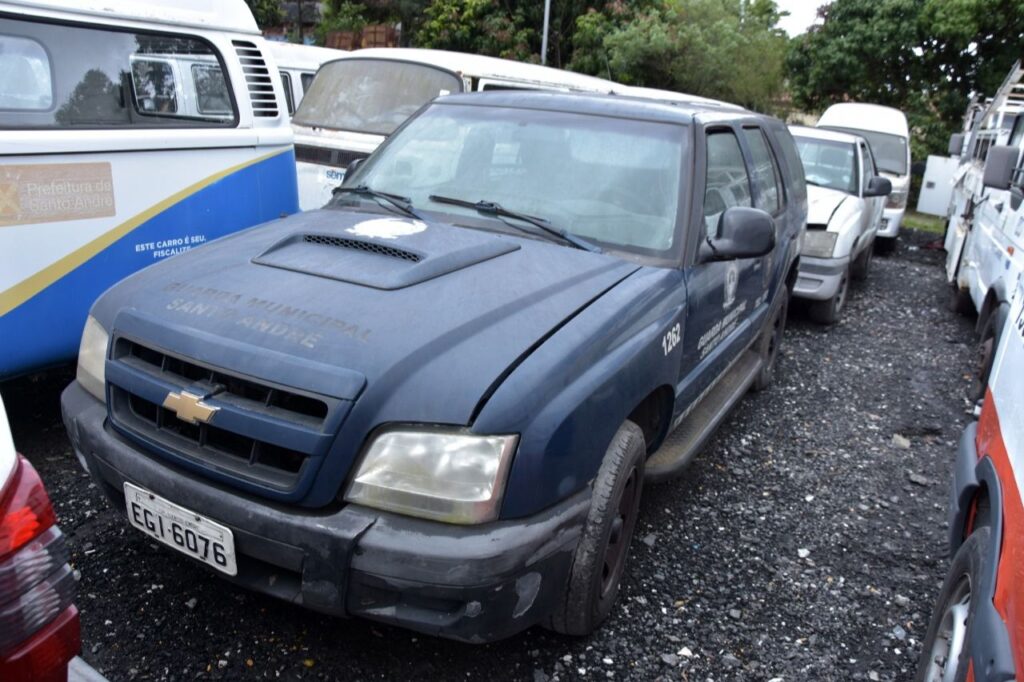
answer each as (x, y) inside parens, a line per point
(495, 209)
(403, 204)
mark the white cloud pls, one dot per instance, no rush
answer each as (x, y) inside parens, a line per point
(802, 13)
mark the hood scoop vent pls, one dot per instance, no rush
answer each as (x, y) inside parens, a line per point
(379, 249)
(416, 253)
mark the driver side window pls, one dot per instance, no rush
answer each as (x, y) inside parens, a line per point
(867, 167)
(728, 183)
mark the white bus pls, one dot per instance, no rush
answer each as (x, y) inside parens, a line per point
(355, 102)
(130, 130)
(298, 64)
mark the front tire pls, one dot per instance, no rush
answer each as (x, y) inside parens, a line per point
(600, 557)
(990, 335)
(863, 263)
(828, 312)
(884, 246)
(771, 339)
(946, 651)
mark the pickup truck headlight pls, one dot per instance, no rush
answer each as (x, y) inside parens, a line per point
(92, 358)
(897, 199)
(819, 243)
(444, 476)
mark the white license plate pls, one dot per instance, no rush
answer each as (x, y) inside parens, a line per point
(182, 529)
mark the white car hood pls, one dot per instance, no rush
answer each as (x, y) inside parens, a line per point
(822, 204)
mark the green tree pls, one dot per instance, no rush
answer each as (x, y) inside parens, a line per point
(267, 12)
(713, 48)
(479, 27)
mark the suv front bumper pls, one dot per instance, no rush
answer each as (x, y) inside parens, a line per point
(818, 278)
(470, 583)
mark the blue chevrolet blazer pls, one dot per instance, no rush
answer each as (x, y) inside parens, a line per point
(435, 402)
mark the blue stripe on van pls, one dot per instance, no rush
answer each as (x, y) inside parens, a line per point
(45, 330)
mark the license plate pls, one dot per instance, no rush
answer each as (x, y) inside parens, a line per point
(182, 529)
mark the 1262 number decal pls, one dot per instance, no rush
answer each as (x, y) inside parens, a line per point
(671, 338)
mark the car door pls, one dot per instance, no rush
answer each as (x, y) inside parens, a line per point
(721, 294)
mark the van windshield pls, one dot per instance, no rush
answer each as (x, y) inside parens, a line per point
(890, 151)
(828, 163)
(612, 181)
(372, 96)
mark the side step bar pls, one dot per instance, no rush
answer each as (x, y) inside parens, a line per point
(689, 436)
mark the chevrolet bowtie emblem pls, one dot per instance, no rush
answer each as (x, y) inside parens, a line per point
(189, 407)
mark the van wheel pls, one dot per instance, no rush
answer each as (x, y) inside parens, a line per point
(960, 301)
(828, 312)
(946, 651)
(990, 334)
(860, 267)
(884, 246)
(771, 339)
(600, 558)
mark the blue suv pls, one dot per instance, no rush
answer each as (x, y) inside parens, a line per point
(435, 402)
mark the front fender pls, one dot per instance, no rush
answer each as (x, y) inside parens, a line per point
(569, 397)
(846, 224)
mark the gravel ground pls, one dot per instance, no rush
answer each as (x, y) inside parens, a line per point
(806, 543)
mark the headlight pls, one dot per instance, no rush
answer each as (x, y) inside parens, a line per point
(897, 199)
(819, 243)
(445, 476)
(92, 358)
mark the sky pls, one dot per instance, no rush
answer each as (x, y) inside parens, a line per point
(801, 14)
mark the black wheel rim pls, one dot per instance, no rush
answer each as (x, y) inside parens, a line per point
(619, 534)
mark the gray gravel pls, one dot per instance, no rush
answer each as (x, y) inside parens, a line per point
(805, 543)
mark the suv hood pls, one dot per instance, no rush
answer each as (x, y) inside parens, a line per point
(418, 320)
(822, 203)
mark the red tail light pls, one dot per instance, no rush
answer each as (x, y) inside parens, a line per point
(39, 626)
(25, 509)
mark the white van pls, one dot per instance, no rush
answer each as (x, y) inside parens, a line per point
(298, 65)
(357, 101)
(130, 130)
(887, 132)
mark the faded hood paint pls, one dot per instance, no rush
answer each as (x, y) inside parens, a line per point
(822, 203)
(430, 315)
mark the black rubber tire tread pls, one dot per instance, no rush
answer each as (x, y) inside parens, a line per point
(960, 301)
(767, 372)
(861, 266)
(968, 560)
(884, 246)
(581, 610)
(990, 332)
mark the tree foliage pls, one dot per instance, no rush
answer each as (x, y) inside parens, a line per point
(924, 57)
(713, 48)
(479, 27)
(266, 12)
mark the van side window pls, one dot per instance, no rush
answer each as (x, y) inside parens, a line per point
(73, 76)
(286, 83)
(766, 171)
(867, 167)
(25, 79)
(728, 183)
(307, 80)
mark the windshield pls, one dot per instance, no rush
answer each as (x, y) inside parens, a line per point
(609, 180)
(372, 96)
(890, 151)
(828, 163)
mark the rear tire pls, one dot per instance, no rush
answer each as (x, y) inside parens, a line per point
(771, 339)
(828, 312)
(990, 335)
(599, 561)
(946, 648)
(960, 301)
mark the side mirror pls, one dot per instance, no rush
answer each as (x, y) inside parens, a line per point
(878, 187)
(1000, 164)
(742, 233)
(956, 144)
(351, 169)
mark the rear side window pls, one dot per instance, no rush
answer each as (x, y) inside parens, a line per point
(61, 76)
(26, 82)
(286, 83)
(766, 171)
(797, 182)
(728, 183)
(307, 80)
(867, 169)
